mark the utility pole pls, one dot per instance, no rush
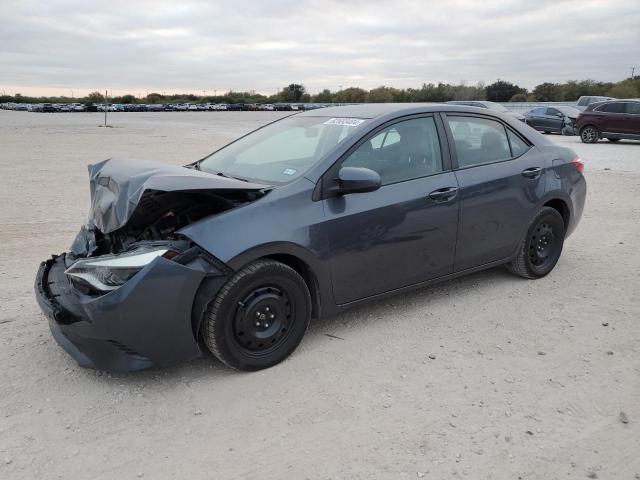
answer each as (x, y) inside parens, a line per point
(633, 70)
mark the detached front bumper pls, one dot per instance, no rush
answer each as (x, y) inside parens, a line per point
(151, 320)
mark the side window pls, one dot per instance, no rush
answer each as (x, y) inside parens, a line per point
(385, 138)
(538, 111)
(553, 111)
(518, 146)
(614, 107)
(402, 151)
(478, 140)
(633, 108)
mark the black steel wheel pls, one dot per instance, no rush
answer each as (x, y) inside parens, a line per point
(541, 248)
(589, 134)
(259, 316)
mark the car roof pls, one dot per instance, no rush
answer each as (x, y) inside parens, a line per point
(466, 102)
(595, 105)
(374, 110)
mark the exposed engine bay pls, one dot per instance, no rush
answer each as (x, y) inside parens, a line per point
(139, 201)
(159, 215)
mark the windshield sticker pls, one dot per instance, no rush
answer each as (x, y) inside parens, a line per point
(289, 171)
(347, 122)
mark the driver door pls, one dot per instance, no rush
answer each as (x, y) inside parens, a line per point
(403, 233)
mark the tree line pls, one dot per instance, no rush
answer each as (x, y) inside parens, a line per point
(498, 91)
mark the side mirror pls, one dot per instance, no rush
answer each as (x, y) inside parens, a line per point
(357, 180)
(559, 114)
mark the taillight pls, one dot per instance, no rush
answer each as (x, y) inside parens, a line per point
(577, 162)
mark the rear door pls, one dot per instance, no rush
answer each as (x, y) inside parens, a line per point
(501, 177)
(404, 232)
(554, 118)
(633, 118)
(612, 117)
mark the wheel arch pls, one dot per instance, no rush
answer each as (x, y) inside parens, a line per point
(562, 208)
(589, 124)
(303, 261)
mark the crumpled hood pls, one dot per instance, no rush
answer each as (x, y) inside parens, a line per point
(117, 186)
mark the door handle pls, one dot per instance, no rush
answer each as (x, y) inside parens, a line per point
(533, 172)
(443, 194)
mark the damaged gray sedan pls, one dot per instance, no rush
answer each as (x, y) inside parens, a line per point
(300, 219)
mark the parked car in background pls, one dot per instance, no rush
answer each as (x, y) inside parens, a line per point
(236, 107)
(586, 100)
(556, 119)
(488, 105)
(48, 107)
(613, 120)
(301, 219)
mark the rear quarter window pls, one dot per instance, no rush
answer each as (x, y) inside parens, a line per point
(633, 108)
(615, 107)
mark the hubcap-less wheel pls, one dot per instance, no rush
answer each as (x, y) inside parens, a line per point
(262, 320)
(541, 245)
(589, 135)
(258, 317)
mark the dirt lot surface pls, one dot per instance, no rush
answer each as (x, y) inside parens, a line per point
(485, 377)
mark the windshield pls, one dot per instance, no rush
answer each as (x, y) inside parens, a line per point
(569, 111)
(281, 151)
(497, 106)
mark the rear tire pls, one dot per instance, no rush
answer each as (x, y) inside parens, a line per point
(542, 245)
(589, 134)
(258, 317)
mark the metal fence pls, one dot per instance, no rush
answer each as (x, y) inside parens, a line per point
(522, 107)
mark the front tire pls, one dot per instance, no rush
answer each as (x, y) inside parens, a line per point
(259, 316)
(589, 134)
(541, 248)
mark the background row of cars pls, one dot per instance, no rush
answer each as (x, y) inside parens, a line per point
(157, 107)
(592, 117)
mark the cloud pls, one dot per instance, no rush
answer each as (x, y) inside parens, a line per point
(159, 45)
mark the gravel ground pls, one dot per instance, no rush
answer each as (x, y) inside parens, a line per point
(485, 377)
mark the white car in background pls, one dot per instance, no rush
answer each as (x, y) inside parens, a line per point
(586, 100)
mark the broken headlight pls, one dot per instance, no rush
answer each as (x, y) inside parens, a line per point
(108, 272)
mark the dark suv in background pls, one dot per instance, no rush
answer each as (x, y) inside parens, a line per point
(613, 120)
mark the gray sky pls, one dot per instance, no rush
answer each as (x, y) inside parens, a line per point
(52, 46)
